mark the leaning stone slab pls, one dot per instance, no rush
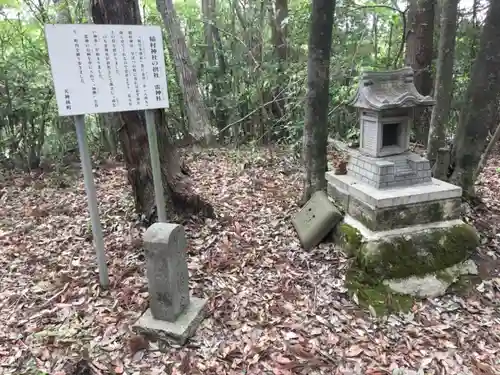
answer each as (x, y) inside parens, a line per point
(316, 219)
(173, 315)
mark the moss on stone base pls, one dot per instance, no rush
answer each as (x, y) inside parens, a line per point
(417, 254)
(372, 293)
(400, 257)
(350, 239)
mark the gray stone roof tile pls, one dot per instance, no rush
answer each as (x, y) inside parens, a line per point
(389, 89)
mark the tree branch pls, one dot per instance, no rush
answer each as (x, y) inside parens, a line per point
(403, 34)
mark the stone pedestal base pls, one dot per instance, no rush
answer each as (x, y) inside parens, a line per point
(420, 260)
(384, 209)
(177, 332)
(411, 251)
(405, 235)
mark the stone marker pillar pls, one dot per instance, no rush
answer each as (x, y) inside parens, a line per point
(173, 315)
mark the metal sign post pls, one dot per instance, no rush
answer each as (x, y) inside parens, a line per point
(105, 69)
(155, 166)
(88, 179)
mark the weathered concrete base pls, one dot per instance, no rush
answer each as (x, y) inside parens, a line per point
(177, 332)
(408, 259)
(408, 231)
(381, 198)
(405, 239)
(433, 284)
(401, 207)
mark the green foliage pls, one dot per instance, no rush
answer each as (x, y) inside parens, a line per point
(250, 93)
(27, 104)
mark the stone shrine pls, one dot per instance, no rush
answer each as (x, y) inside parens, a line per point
(173, 315)
(399, 221)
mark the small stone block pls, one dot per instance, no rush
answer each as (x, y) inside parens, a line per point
(367, 174)
(384, 163)
(166, 269)
(316, 219)
(177, 332)
(388, 178)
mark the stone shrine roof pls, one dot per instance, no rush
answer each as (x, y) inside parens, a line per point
(389, 89)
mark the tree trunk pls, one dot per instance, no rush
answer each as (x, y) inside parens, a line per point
(278, 15)
(444, 79)
(209, 54)
(422, 36)
(475, 34)
(480, 103)
(484, 158)
(199, 124)
(316, 112)
(109, 127)
(223, 88)
(208, 7)
(375, 38)
(133, 136)
(410, 33)
(438, 11)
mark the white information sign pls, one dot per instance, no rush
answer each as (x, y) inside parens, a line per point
(106, 68)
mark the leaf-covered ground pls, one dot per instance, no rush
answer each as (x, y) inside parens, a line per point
(273, 308)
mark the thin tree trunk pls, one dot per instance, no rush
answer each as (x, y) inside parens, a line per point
(208, 15)
(223, 88)
(375, 38)
(491, 145)
(179, 195)
(480, 103)
(411, 44)
(316, 112)
(389, 46)
(199, 124)
(444, 79)
(423, 28)
(475, 34)
(438, 11)
(278, 14)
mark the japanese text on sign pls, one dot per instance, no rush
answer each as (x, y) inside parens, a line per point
(106, 68)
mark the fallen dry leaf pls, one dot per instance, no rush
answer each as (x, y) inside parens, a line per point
(353, 351)
(273, 307)
(136, 343)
